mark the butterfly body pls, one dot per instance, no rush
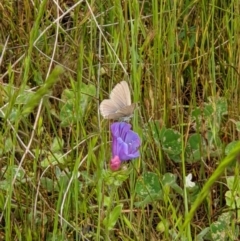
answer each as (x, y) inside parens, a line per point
(119, 105)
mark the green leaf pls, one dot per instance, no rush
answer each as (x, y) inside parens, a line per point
(57, 145)
(170, 180)
(74, 109)
(214, 142)
(220, 229)
(211, 180)
(24, 97)
(232, 183)
(87, 91)
(155, 130)
(12, 116)
(171, 141)
(238, 125)
(196, 147)
(53, 160)
(150, 199)
(161, 227)
(175, 158)
(4, 185)
(128, 223)
(221, 106)
(232, 199)
(34, 100)
(148, 185)
(230, 147)
(10, 171)
(67, 115)
(212, 113)
(233, 195)
(38, 218)
(115, 178)
(47, 184)
(6, 146)
(107, 201)
(202, 113)
(201, 236)
(110, 221)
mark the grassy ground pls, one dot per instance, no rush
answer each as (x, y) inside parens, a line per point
(59, 60)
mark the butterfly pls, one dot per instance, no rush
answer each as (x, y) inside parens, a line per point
(119, 105)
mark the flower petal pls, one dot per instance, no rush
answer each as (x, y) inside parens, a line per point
(120, 128)
(115, 163)
(125, 142)
(133, 141)
(188, 181)
(123, 151)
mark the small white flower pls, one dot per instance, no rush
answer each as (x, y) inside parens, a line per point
(188, 181)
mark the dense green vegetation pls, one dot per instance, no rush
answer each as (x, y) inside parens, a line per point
(59, 60)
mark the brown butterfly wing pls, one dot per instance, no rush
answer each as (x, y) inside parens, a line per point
(119, 105)
(126, 111)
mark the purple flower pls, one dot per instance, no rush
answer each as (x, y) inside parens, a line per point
(125, 144)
